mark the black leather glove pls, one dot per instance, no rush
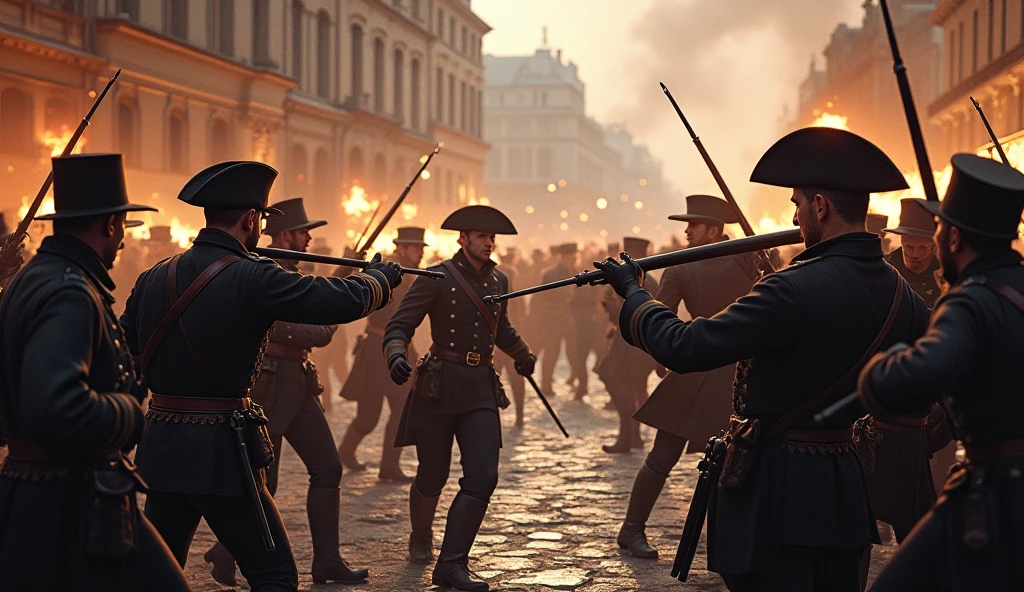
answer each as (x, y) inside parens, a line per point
(624, 278)
(391, 270)
(400, 369)
(524, 366)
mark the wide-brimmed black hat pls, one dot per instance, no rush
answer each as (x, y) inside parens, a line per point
(293, 217)
(876, 223)
(635, 246)
(479, 218)
(91, 185)
(230, 185)
(914, 220)
(984, 197)
(827, 158)
(411, 235)
(568, 249)
(702, 209)
(160, 234)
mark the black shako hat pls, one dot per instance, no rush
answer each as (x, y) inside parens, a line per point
(91, 185)
(479, 218)
(984, 197)
(828, 158)
(232, 185)
(914, 221)
(876, 223)
(636, 247)
(702, 209)
(411, 235)
(293, 217)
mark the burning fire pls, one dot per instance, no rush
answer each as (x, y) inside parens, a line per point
(44, 208)
(409, 211)
(356, 204)
(56, 141)
(831, 120)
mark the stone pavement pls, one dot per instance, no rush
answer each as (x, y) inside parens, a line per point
(551, 524)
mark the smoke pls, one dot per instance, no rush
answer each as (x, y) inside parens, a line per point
(734, 66)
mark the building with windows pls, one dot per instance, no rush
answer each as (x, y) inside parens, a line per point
(332, 93)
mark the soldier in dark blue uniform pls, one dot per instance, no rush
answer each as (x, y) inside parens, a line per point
(69, 404)
(552, 311)
(456, 393)
(969, 359)
(203, 370)
(791, 511)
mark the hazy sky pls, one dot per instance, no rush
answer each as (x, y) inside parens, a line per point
(733, 65)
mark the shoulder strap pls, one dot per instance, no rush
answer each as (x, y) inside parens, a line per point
(473, 297)
(181, 303)
(825, 397)
(1009, 293)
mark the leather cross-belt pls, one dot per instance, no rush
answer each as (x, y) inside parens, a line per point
(990, 451)
(198, 404)
(278, 350)
(835, 436)
(467, 359)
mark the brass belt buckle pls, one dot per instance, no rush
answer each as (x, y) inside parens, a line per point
(472, 359)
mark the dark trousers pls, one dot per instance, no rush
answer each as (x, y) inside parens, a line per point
(665, 453)
(550, 348)
(233, 520)
(310, 435)
(803, 569)
(513, 379)
(479, 436)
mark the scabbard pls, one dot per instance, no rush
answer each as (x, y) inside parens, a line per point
(543, 399)
(238, 424)
(710, 469)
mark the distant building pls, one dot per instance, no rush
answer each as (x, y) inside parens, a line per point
(557, 171)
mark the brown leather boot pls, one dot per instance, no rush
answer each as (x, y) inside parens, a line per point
(421, 516)
(223, 571)
(646, 488)
(347, 449)
(322, 506)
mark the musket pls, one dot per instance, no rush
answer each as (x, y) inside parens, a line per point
(737, 246)
(359, 238)
(345, 261)
(398, 202)
(710, 468)
(8, 249)
(238, 422)
(543, 399)
(991, 133)
(916, 135)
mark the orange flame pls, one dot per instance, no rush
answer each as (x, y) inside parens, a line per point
(831, 120)
(56, 141)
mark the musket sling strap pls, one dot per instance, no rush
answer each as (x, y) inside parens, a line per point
(478, 302)
(178, 307)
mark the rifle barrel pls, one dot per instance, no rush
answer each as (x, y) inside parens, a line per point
(345, 261)
(398, 202)
(991, 133)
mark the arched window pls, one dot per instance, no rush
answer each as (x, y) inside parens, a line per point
(16, 123)
(176, 18)
(449, 188)
(299, 166)
(357, 66)
(378, 75)
(297, 14)
(462, 106)
(177, 142)
(220, 141)
(226, 27)
(322, 181)
(127, 132)
(323, 54)
(59, 117)
(380, 175)
(399, 105)
(261, 32)
(414, 74)
(356, 166)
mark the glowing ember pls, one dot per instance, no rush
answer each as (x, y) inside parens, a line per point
(56, 141)
(182, 233)
(356, 204)
(831, 120)
(44, 208)
(409, 211)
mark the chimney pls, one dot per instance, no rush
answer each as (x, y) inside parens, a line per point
(558, 56)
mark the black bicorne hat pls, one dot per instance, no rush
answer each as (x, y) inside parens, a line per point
(230, 185)
(827, 158)
(636, 247)
(702, 209)
(411, 235)
(876, 223)
(479, 218)
(91, 185)
(914, 220)
(293, 217)
(984, 197)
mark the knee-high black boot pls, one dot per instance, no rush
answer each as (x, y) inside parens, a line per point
(452, 568)
(421, 515)
(322, 505)
(646, 489)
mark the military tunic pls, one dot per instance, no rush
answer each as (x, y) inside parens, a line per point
(798, 331)
(970, 358)
(924, 283)
(67, 390)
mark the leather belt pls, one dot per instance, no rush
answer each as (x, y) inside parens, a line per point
(283, 351)
(374, 330)
(987, 452)
(902, 422)
(471, 359)
(835, 436)
(198, 404)
(25, 450)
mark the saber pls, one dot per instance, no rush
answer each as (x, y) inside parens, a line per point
(710, 468)
(398, 202)
(991, 133)
(654, 262)
(315, 258)
(238, 424)
(12, 242)
(544, 400)
(916, 136)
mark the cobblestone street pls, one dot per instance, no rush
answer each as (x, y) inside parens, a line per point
(551, 524)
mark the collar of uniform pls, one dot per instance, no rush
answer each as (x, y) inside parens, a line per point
(288, 264)
(989, 262)
(74, 250)
(219, 238)
(860, 245)
(465, 266)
